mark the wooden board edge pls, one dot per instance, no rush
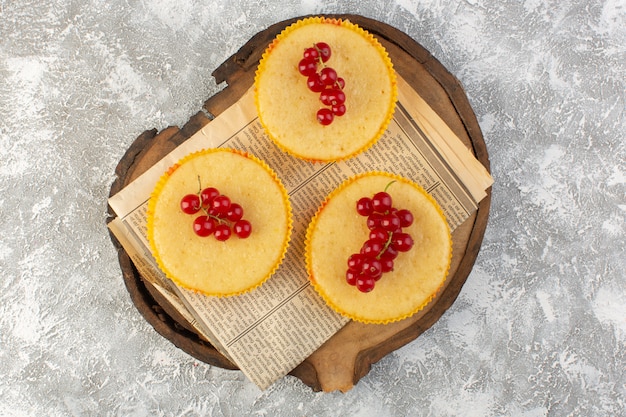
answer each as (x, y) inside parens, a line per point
(231, 72)
(366, 358)
(162, 323)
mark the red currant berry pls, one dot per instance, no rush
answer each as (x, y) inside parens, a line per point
(325, 96)
(406, 217)
(372, 248)
(325, 116)
(307, 67)
(389, 253)
(328, 76)
(203, 226)
(324, 50)
(372, 267)
(190, 204)
(354, 262)
(402, 242)
(379, 235)
(351, 277)
(364, 206)
(311, 53)
(373, 220)
(314, 83)
(339, 109)
(341, 83)
(337, 97)
(387, 265)
(390, 222)
(382, 202)
(332, 97)
(365, 283)
(242, 228)
(208, 194)
(235, 212)
(222, 232)
(220, 205)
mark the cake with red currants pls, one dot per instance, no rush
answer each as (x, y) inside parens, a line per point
(379, 248)
(325, 89)
(219, 222)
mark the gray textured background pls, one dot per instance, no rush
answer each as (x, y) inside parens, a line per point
(539, 328)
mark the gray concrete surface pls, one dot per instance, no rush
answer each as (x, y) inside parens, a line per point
(540, 326)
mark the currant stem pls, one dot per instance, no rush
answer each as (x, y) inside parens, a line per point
(213, 216)
(387, 186)
(323, 65)
(319, 56)
(387, 244)
(204, 210)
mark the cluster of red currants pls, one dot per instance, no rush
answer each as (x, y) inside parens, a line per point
(386, 240)
(326, 82)
(221, 217)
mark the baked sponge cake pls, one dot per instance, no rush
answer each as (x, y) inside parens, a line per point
(194, 203)
(298, 70)
(353, 228)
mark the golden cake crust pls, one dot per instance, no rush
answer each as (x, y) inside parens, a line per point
(287, 108)
(337, 231)
(205, 264)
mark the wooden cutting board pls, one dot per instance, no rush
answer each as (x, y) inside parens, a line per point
(348, 355)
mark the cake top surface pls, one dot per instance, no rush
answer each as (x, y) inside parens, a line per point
(287, 107)
(337, 231)
(205, 264)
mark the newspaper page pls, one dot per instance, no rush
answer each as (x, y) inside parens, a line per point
(269, 331)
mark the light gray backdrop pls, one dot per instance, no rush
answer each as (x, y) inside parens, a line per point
(539, 328)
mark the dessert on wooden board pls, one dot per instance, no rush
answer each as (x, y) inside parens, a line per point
(219, 222)
(456, 278)
(379, 248)
(325, 89)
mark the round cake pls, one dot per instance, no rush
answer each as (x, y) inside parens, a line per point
(188, 216)
(341, 235)
(295, 81)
